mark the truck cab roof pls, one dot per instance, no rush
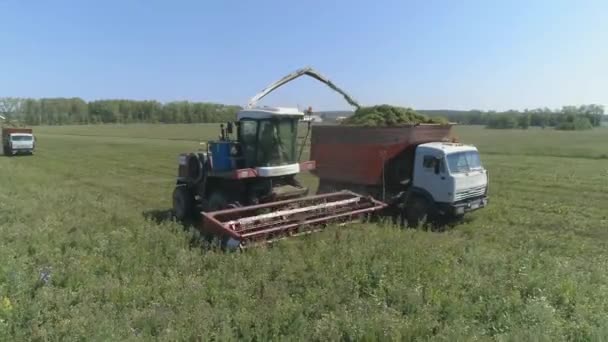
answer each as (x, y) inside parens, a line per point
(269, 112)
(446, 147)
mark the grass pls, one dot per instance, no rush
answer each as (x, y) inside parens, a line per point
(80, 261)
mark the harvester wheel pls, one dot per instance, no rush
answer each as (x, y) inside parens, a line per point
(216, 201)
(183, 203)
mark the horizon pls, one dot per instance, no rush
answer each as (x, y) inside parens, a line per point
(470, 56)
(556, 109)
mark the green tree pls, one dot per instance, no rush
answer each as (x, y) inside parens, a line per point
(502, 121)
(523, 121)
(10, 108)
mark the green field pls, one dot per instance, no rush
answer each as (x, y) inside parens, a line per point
(80, 261)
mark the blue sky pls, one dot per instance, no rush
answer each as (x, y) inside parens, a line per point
(424, 54)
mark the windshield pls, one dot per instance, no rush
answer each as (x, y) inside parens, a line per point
(464, 161)
(276, 142)
(268, 142)
(21, 138)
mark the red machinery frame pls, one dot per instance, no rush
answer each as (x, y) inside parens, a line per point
(272, 221)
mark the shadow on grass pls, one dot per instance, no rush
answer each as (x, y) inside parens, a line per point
(18, 155)
(435, 224)
(210, 243)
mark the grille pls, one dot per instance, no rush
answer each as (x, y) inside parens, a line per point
(470, 192)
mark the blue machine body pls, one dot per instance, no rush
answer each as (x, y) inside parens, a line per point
(220, 155)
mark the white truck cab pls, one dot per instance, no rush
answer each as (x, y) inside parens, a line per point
(452, 175)
(18, 141)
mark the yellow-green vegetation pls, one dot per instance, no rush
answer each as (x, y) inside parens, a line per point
(80, 260)
(386, 115)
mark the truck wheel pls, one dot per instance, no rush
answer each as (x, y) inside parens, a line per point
(183, 203)
(417, 211)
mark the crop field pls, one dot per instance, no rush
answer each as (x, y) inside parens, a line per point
(82, 259)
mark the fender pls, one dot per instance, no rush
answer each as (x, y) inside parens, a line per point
(422, 193)
(402, 197)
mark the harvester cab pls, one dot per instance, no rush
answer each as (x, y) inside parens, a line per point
(253, 164)
(242, 187)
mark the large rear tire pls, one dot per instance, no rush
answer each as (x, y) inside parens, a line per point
(183, 203)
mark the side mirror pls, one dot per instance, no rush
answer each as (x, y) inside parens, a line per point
(229, 127)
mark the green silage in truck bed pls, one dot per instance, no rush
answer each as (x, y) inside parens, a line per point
(386, 115)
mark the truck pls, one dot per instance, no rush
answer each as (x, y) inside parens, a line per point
(418, 170)
(17, 141)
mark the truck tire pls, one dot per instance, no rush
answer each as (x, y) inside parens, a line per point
(183, 203)
(417, 211)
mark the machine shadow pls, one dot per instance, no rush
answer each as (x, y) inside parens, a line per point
(386, 217)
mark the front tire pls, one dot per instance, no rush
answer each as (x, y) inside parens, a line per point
(216, 201)
(183, 203)
(417, 211)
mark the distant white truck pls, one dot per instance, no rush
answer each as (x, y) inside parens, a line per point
(17, 141)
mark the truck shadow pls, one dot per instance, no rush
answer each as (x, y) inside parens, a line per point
(436, 225)
(18, 155)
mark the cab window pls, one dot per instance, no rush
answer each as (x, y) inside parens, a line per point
(429, 163)
(248, 132)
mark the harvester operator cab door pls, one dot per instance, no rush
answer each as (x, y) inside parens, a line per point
(268, 142)
(430, 174)
(247, 137)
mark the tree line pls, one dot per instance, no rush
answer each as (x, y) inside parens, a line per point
(566, 118)
(65, 111)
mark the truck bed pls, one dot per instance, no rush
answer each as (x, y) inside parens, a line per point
(11, 130)
(359, 155)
